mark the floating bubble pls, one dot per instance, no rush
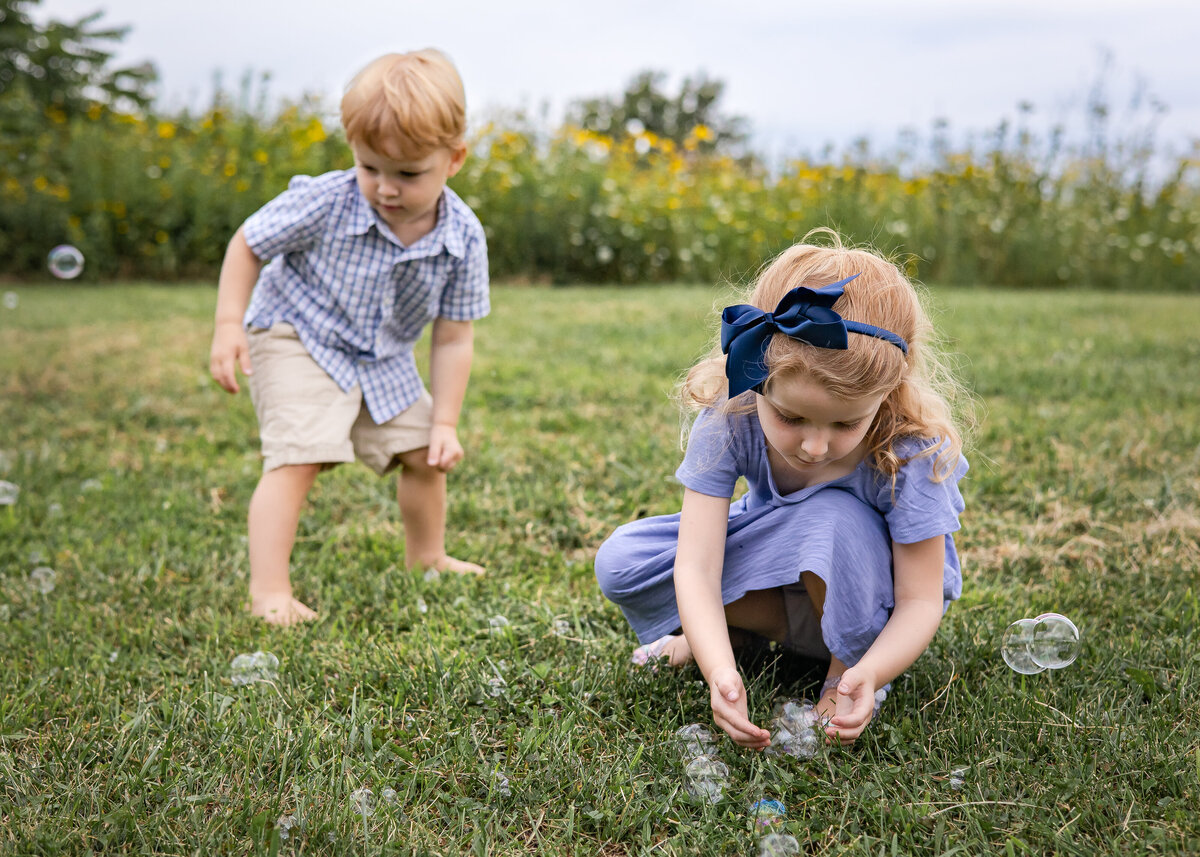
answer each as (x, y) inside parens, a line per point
(65, 262)
(251, 668)
(9, 493)
(1055, 642)
(768, 812)
(706, 778)
(694, 740)
(362, 801)
(11, 300)
(1014, 648)
(778, 845)
(42, 579)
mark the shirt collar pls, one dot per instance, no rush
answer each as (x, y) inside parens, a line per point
(444, 234)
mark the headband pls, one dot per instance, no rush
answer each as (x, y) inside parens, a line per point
(804, 314)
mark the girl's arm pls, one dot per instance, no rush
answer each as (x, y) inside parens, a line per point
(451, 350)
(917, 572)
(699, 562)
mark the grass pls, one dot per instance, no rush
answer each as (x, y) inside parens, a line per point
(121, 732)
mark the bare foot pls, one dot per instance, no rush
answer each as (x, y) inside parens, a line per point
(458, 566)
(678, 651)
(281, 608)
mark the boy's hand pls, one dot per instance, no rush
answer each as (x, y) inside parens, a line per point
(230, 349)
(444, 449)
(854, 699)
(729, 710)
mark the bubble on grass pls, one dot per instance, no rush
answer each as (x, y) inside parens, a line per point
(89, 485)
(5, 612)
(496, 686)
(362, 801)
(705, 778)
(778, 845)
(284, 824)
(958, 778)
(11, 300)
(1014, 647)
(795, 730)
(562, 628)
(42, 579)
(500, 784)
(431, 575)
(9, 493)
(388, 795)
(54, 510)
(497, 624)
(767, 812)
(422, 607)
(112, 656)
(65, 262)
(1055, 641)
(250, 668)
(695, 740)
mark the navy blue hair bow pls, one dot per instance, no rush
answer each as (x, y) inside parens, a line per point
(803, 314)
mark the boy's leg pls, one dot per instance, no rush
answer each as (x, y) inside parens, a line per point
(421, 493)
(274, 516)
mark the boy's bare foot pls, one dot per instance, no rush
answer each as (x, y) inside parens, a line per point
(281, 608)
(458, 566)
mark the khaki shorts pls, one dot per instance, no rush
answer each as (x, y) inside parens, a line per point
(304, 417)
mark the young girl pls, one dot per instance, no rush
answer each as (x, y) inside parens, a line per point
(826, 397)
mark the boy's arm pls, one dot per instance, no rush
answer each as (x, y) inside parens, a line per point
(917, 571)
(230, 348)
(699, 562)
(451, 350)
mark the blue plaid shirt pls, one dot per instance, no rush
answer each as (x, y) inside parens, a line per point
(357, 297)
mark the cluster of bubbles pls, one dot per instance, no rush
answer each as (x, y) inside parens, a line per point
(1046, 642)
(65, 262)
(795, 729)
(250, 668)
(704, 775)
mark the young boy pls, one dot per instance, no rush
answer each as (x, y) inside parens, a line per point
(360, 262)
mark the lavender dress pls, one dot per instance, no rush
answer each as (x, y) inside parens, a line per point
(840, 531)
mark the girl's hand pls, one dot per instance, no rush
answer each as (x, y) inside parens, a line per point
(444, 449)
(230, 350)
(729, 710)
(854, 701)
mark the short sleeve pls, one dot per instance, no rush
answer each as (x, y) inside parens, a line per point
(711, 463)
(466, 297)
(292, 221)
(920, 507)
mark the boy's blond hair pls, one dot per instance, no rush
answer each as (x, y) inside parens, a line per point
(405, 106)
(917, 388)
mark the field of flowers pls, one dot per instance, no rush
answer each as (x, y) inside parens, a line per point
(159, 196)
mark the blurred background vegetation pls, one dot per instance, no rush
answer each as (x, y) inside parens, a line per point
(645, 186)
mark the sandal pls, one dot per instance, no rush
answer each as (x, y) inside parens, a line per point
(643, 655)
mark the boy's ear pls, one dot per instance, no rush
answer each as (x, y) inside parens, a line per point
(457, 157)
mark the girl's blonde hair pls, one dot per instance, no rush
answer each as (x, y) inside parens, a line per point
(405, 106)
(918, 390)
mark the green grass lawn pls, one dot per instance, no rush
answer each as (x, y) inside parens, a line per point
(121, 731)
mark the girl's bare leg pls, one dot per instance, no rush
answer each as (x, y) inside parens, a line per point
(274, 516)
(759, 611)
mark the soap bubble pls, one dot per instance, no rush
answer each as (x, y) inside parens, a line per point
(432, 575)
(11, 300)
(284, 825)
(768, 812)
(794, 730)
(1055, 642)
(42, 578)
(958, 778)
(422, 607)
(388, 795)
(496, 686)
(362, 801)
(9, 493)
(778, 845)
(706, 778)
(695, 740)
(5, 612)
(65, 262)
(500, 785)
(248, 669)
(1014, 648)
(562, 628)
(497, 624)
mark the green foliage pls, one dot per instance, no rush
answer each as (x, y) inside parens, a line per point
(645, 106)
(120, 731)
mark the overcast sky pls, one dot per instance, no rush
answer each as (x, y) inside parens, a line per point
(803, 73)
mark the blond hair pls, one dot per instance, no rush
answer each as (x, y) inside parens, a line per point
(405, 106)
(918, 389)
